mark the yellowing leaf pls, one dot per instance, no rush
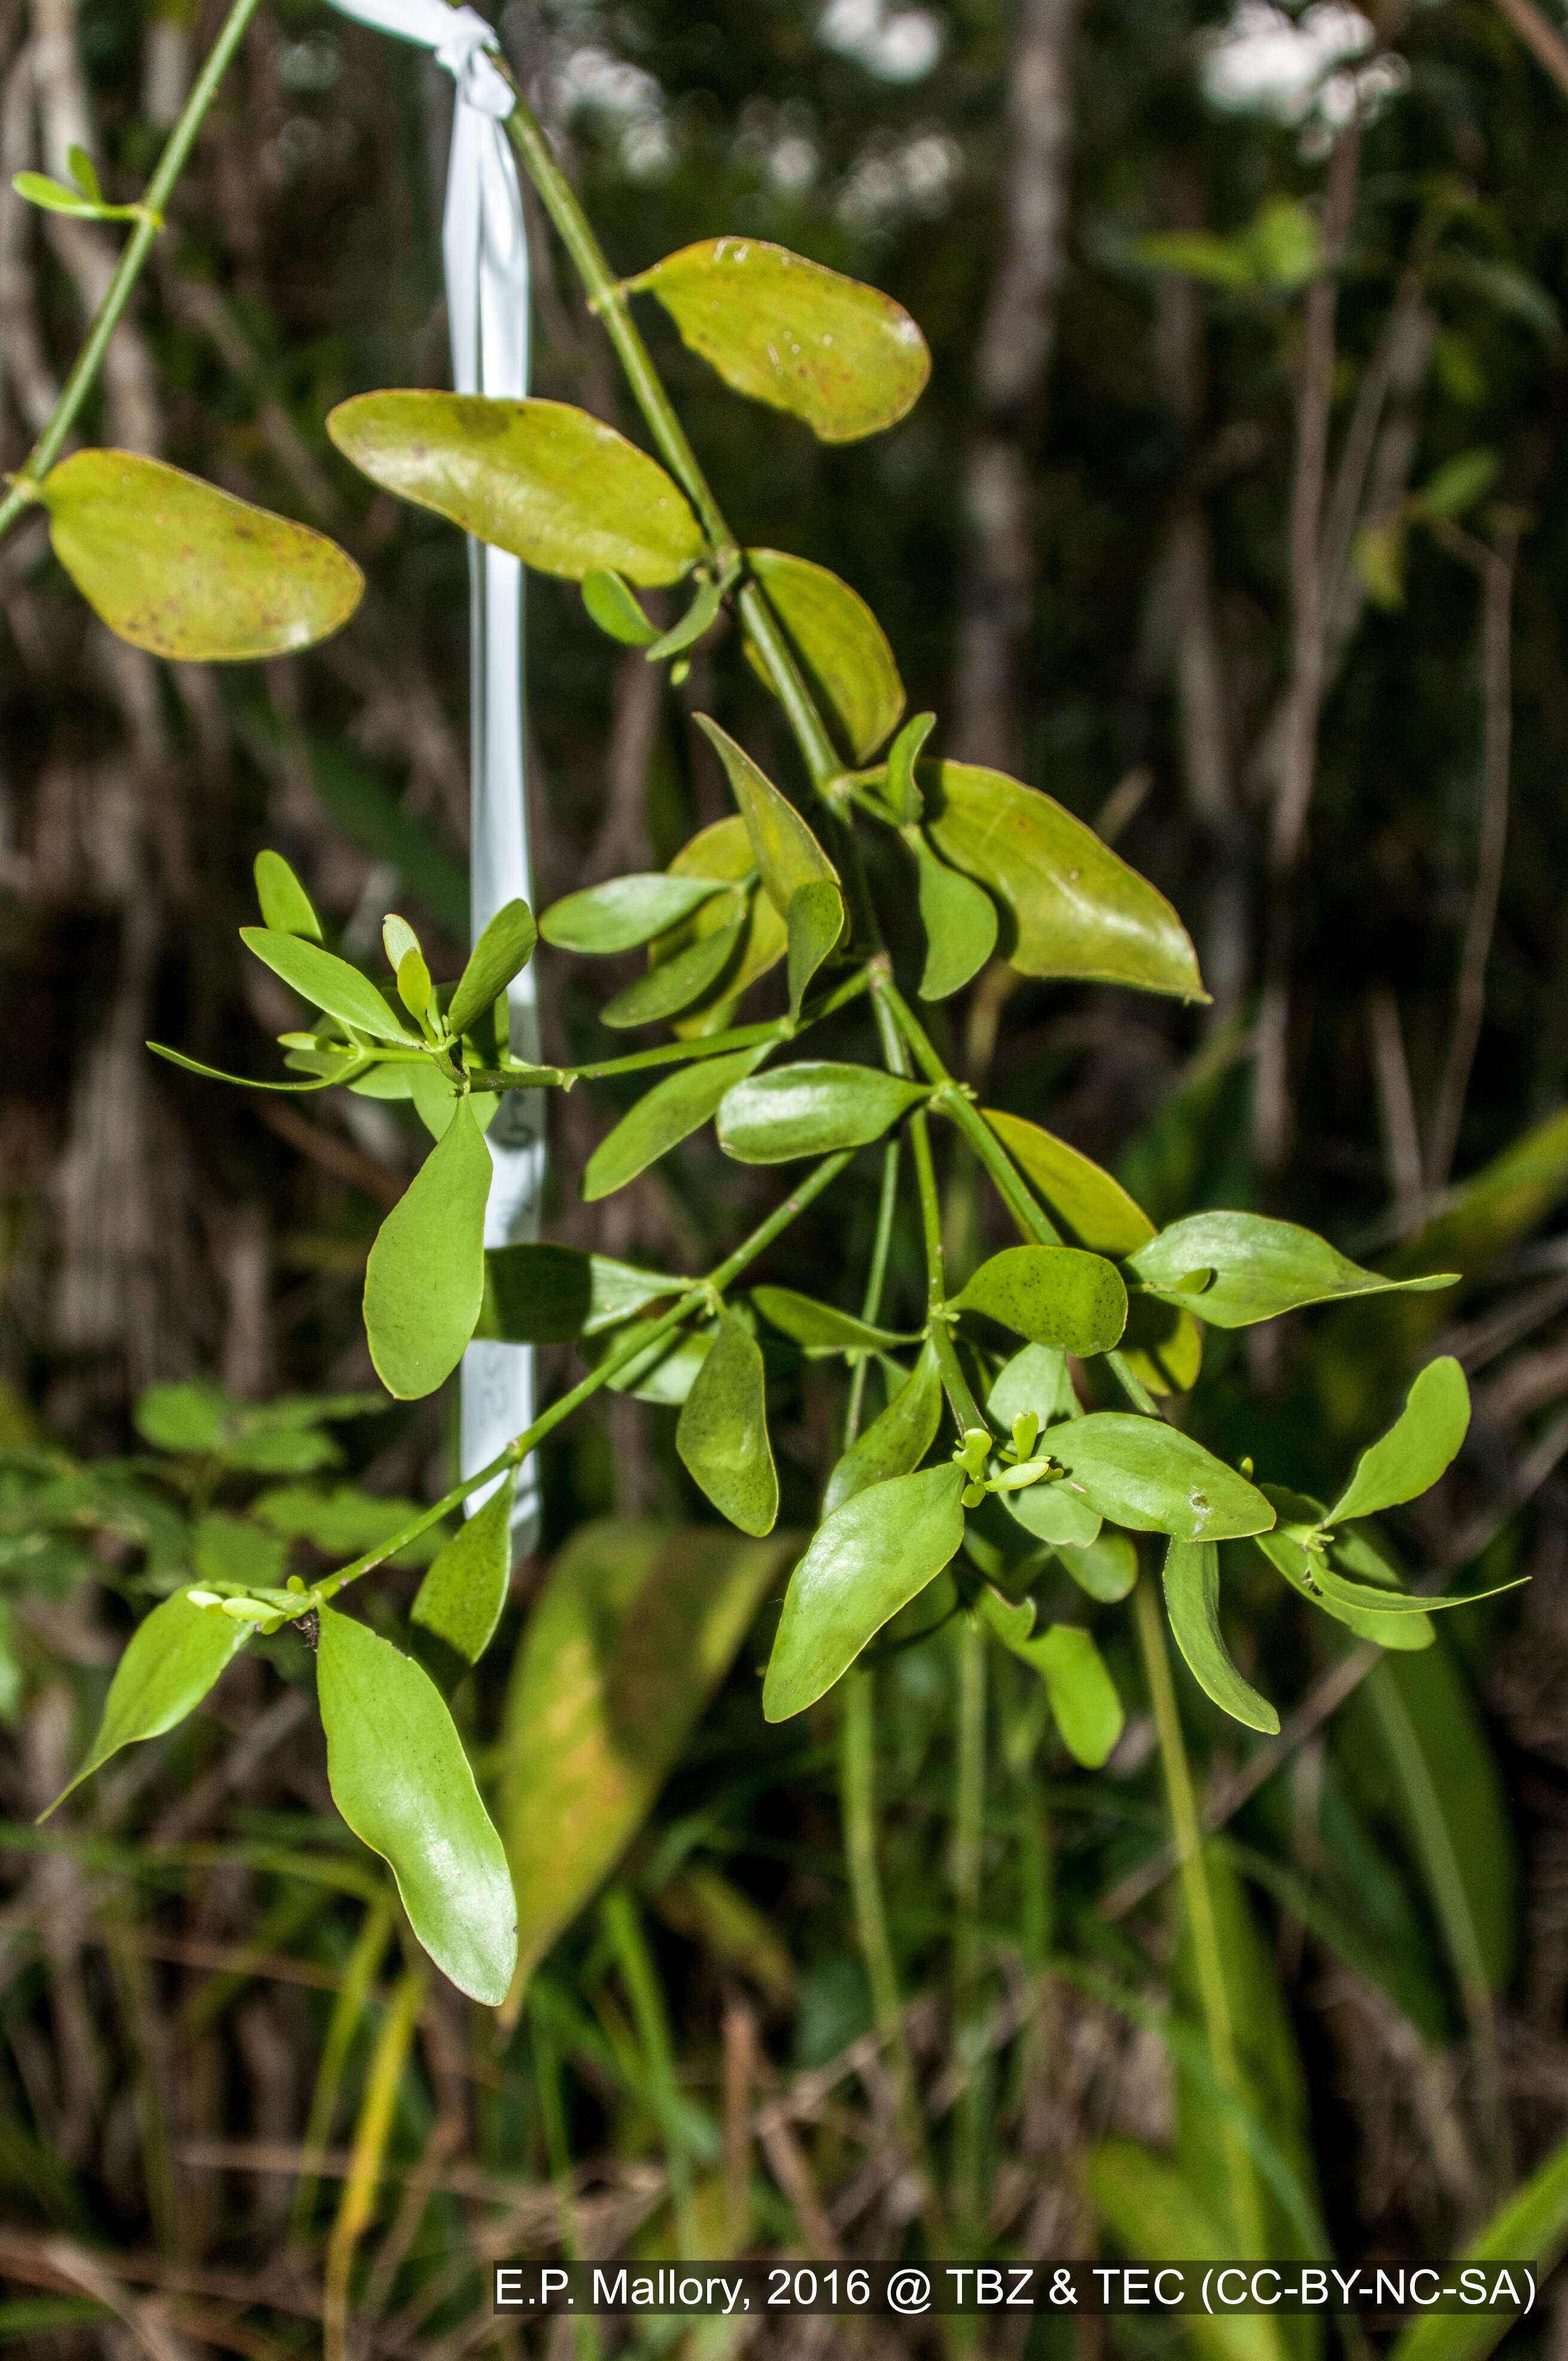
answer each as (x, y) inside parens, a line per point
(560, 490)
(186, 571)
(843, 356)
(844, 645)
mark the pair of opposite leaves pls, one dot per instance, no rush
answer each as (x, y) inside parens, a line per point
(187, 571)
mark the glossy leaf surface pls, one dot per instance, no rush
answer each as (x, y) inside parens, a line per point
(821, 1327)
(871, 1558)
(286, 907)
(896, 1442)
(783, 846)
(722, 1436)
(813, 925)
(1418, 1447)
(502, 951)
(1192, 1601)
(459, 1603)
(843, 356)
(1085, 1703)
(960, 919)
(425, 1278)
(671, 984)
(844, 646)
(174, 1656)
(663, 1116)
(624, 913)
(1076, 909)
(811, 1109)
(614, 607)
(1090, 1205)
(1036, 1382)
(1052, 1295)
(401, 1779)
(188, 572)
(317, 975)
(1241, 1269)
(634, 1627)
(538, 1294)
(1141, 1473)
(1053, 1514)
(560, 490)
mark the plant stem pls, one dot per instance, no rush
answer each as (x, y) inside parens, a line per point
(138, 247)
(857, 1804)
(558, 2155)
(640, 1978)
(646, 1333)
(1247, 2215)
(969, 1839)
(871, 1307)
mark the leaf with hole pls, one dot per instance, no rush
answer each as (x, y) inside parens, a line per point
(1083, 1699)
(960, 919)
(425, 1278)
(318, 975)
(633, 1629)
(1192, 1601)
(663, 1116)
(286, 907)
(559, 489)
(401, 1781)
(844, 647)
(896, 1442)
(537, 1294)
(871, 1558)
(1141, 1473)
(188, 572)
(843, 356)
(459, 1603)
(1075, 910)
(502, 951)
(1241, 1269)
(813, 925)
(614, 607)
(1052, 1295)
(812, 1108)
(173, 1659)
(625, 912)
(722, 1435)
(1417, 1448)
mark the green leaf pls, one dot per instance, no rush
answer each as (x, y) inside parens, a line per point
(1154, 2215)
(1239, 1267)
(844, 646)
(723, 851)
(663, 1116)
(1376, 1610)
(560, 490)
(349, 1063)
(1532, 2223)
(674, 983)
(547, 1295)
(1417, 1448)
(425, 1278)
(1141, 1473)
(459, 1603)
(1052, 1295)
(813, 925)
(188, 572)
(502, 951)
(903, 787)
(614, 607)
(173, 1659)
(699, 617)
(783, 846)
(634, 1628)
(625, 912)
(843, 356)
(960, 919)
(871, 1558)
(1053, 1514)
(401, 1779)
(1085, 1703)
(186, 1415)
(54, 197)
(1094, 1209)
(342, 1523)
(1192, 1599)
(1036, 1382)
(1076, 910)
(665, 1372)
(1458, 484)
(316, 975)
(894, 1444)
(234, 1549)
(821, 1328)
(286, 907)
(812, 1108)
(1105, 1569)
(722, 1436)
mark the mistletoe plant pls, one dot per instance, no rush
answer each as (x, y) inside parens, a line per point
(1031, 1422)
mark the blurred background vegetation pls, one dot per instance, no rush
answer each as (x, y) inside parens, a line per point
(1251, 566)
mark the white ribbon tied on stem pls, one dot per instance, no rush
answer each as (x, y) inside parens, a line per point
(485, 251)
